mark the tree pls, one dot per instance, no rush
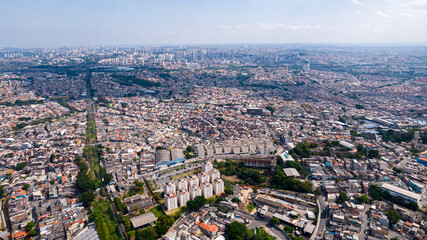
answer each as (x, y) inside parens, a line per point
(30, 226)
(363, 199)
(342, 197)
(375, 192)
(26, 186)
(87, 197)
(20, 166)
(197, 203)
(274, 221)
(236, 231)
(84, 183)
(373, 154)
(32, 233)
(392, 216)
(423, 136)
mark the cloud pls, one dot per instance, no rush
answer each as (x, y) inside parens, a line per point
(369, 27)
(355, 2)
(407, 15)
(415, 3)
(381, 14)
(358, 12)
(225, 27)
(277, 27)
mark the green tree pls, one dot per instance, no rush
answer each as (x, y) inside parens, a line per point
(30, 226)
(375, 192)
(87, 197)
(26, 186)
(32, 233)
(20, 166)
(274, 221)
(423, 136)
(236, 231)
(84, 183)
(392, 216)
(342, 197)
(363, 199)
(197, 203)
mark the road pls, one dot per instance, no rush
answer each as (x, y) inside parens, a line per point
(323, 216)
(365, 221)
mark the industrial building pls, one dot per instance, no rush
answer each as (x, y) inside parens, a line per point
(400, 192)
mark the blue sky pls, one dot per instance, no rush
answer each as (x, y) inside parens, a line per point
(32, 23)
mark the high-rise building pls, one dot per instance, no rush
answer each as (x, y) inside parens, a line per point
(192, 180)
(207, 190)
(181, 184)
(195, 191)
(207, 167)
(214, 174)
(218, 186)
(183, 197)
(204, 177)
(169, 188)
(171, 201)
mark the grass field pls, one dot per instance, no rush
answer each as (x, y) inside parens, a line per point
(157, 211)
(186, 174)
(104, 221)
(172, 212)
(233, 178)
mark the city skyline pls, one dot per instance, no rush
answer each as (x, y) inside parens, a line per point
(52, 24)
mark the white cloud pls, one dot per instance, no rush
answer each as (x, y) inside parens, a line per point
(369, 27)
(277, 27)
(355, 2)
(407, 14)
(358, 12)
(225, 27)
(381, 14)
(415, 3)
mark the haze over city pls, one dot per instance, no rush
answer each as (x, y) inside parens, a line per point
(47, 23)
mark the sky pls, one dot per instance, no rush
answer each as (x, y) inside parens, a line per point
(54, 23)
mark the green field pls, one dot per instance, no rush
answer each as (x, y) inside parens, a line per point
(104, 220)
(157, 211)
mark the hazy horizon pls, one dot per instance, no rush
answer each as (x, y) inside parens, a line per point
(49, 23)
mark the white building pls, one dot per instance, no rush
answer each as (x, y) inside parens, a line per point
(207, 167)
(214, 174)
(183, 197)
(192, 180)
(218, 186)
(169, 188)
(181, 184)
(171, 201)
(203, 177)
(195, 191)
(207, 190)
(400, 192)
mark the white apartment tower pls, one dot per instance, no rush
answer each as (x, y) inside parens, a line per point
(171, 201)
(183, 197)
(195, 191)
(203, 177)
(207, 189)
(181, 184)
(214, 174)
(192, 180)
(169, 188)
(207, 167)
(218, 186)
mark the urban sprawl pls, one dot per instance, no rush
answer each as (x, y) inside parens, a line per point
(213, 142)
